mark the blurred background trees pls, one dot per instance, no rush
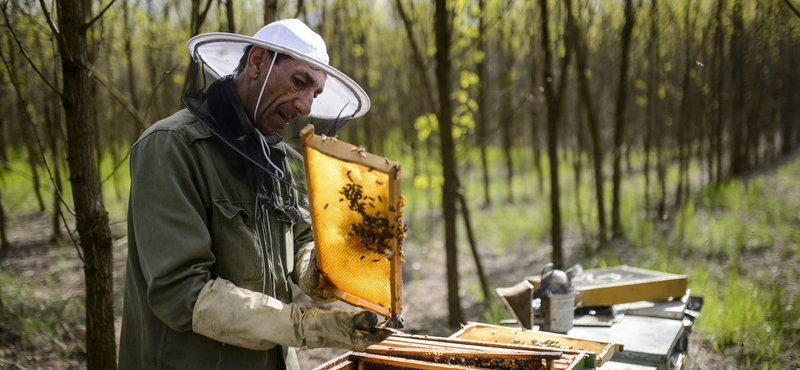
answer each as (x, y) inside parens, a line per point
(705, 87)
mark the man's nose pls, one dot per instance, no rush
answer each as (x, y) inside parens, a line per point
(303, 103)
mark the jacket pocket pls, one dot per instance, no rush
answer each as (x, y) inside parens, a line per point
(235, 244)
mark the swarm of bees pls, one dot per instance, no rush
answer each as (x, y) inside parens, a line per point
(373, 230)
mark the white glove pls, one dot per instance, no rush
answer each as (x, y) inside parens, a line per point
(240, 317)
(310, 279)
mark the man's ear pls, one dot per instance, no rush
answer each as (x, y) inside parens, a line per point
(255, 61)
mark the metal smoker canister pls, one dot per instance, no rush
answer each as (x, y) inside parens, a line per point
(557, 301)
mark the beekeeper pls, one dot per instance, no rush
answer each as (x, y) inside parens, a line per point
(218, 220)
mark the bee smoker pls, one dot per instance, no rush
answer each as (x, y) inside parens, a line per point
(557, 297)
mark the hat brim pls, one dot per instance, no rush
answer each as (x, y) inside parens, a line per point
(219, 54)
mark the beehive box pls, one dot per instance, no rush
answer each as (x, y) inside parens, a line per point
(434, 353)
(623, 284)
(601, 352)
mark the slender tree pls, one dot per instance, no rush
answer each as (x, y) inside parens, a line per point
(581, 57)
(482, 122)
(5, 245)
(128, 40)
(738, 157)
(555, 101)
(449, 192)
(719, 83)
(270, 11)
(74, 19)
(619, 118)
(229, 16)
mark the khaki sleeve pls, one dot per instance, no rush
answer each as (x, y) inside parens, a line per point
(240, 317)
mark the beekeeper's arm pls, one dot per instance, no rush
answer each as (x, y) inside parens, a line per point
(253, 320)
(176, 263)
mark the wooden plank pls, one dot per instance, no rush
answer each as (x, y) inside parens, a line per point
(345, 151)
(384, 348)
(543, 352)
(340, 363)
(396, 274)
(404, 352)
(358, 302)
(406, 363)
(490, 333)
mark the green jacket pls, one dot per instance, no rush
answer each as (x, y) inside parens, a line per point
(190, 220)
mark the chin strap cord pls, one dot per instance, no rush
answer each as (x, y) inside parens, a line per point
(264, 145)
(266, 151)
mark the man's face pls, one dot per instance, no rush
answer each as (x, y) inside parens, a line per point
(291, 89)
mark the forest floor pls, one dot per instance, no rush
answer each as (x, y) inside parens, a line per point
(42, 288)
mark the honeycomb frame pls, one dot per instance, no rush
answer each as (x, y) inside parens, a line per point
(357, 158)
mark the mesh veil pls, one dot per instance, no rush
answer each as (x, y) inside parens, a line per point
(215, 103)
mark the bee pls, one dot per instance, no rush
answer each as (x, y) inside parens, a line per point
(360, 150)
(241, 138)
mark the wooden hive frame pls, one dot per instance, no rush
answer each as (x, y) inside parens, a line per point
(343, 151)
(403, 352)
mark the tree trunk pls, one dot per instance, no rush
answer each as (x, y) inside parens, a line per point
(473, 244)
(507, 125)
(91, 216)
(53, 131)
(33, 162)
(30, 145)
(229, 15)
(652, 98)
(483, 102)
(738, 157)
(270, 11)
(535, 144)
(448, 160)
(555, 101)
(788, 108)
(4, 244)
(3, 134)
(619, 118)
(577, 166)
(594, 130)
(719, 81)
(135, 128)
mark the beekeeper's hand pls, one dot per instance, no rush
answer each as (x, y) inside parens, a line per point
(346, 329)
(310, 279)
(240, 317)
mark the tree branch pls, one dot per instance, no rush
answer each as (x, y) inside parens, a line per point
(49, 18)
(141, 122)
(100, 77)
(792, 7)
(99, 15)
(418, 60)
(25, 54)
(36, 132)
